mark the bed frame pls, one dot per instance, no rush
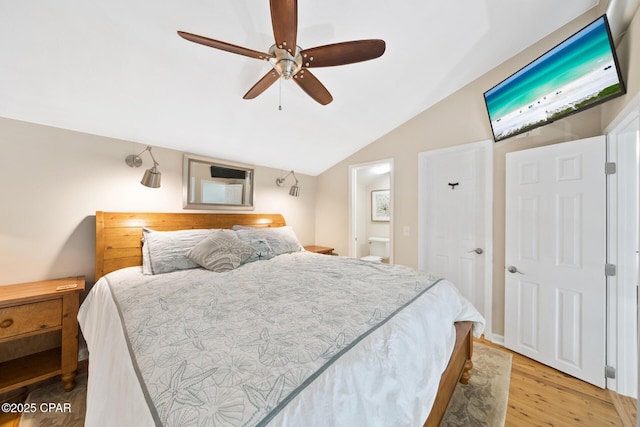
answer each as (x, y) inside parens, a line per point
(119, 245)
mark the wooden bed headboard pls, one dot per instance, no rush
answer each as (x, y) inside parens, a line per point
(119, 234)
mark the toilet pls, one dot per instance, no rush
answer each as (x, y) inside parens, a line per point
(378, 249)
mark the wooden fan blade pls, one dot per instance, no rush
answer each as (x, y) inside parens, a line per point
(224, 46)
(270, 78)
(342, 53)
(312, 86)
(284, 19)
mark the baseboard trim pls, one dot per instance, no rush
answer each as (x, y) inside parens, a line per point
(497, 339)
(627, 408)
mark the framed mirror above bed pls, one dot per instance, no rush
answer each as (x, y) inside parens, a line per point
(215, 184)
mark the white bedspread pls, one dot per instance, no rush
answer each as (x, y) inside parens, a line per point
(389, 378)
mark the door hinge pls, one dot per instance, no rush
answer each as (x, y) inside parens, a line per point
(609, 270)
(609, 372)
(610, 168)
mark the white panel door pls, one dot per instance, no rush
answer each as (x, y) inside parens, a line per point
(555, 256)
(454, 218)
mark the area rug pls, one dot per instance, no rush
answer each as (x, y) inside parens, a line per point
(53, 407)
(482, 402)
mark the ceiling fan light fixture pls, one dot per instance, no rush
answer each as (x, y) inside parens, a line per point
(286, 68)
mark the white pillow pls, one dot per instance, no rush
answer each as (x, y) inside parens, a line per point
(220, 251)
(282, 240)
(165, 251)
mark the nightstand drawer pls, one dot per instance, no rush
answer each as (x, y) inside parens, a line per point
(22, 319)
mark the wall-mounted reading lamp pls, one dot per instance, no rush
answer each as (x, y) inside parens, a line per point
(295, 190)
(151, 176)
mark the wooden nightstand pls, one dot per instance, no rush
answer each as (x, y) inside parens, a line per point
(319, 249)
(35, 308)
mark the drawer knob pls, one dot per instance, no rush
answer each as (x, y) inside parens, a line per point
(6, 323)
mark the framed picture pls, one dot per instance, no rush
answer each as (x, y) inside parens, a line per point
(380, 205)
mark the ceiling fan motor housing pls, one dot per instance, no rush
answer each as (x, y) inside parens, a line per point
(284, 63)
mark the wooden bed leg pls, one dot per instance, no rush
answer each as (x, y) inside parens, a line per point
(466, 372)
(468, 364)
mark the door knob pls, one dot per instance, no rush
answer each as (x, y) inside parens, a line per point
(476, 250)
(513, 269)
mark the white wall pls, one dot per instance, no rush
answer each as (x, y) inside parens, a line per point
(53, 180)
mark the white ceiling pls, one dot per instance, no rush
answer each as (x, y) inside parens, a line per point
(119, 69)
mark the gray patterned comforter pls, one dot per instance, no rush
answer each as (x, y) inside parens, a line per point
(233, 348)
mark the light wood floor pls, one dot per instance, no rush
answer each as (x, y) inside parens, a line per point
(542, 396)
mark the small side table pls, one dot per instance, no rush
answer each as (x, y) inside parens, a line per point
(35, 308)
(319, 249)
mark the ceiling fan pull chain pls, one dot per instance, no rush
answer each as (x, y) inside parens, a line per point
(280, 101)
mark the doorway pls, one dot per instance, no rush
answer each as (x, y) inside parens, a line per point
(370, 206)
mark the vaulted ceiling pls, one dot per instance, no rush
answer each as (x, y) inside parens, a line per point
(119, 69)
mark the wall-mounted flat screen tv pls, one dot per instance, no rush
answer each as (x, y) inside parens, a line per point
(577, 74)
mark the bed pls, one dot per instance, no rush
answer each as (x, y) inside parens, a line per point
(136, 332)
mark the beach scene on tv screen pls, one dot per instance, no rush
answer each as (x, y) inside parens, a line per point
(578, 73)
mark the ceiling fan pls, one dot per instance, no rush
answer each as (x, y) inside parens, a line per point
(289, 61)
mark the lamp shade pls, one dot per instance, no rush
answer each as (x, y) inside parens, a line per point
(151, 178)
(294, 191)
